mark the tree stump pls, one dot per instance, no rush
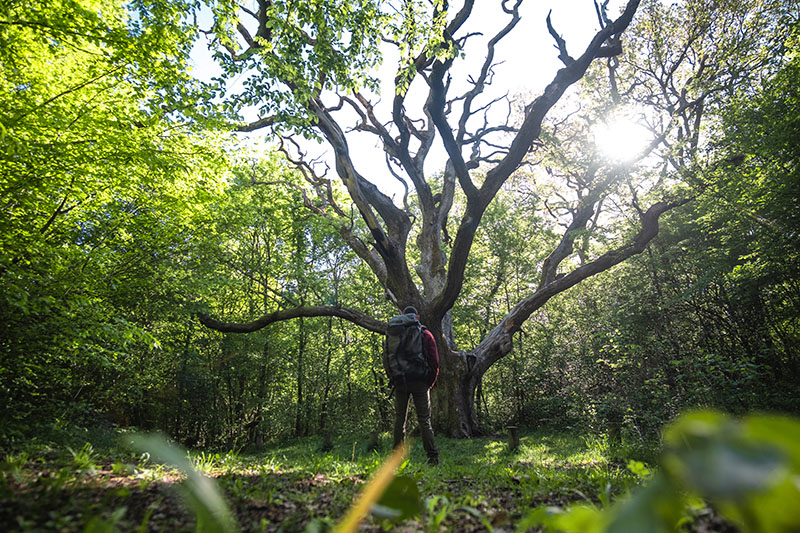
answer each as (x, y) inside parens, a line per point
(374, 441)
(513, 438)
(327, 441)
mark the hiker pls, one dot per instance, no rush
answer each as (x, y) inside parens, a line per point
(411, 362)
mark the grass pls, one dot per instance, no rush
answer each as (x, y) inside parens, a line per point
(479, 486)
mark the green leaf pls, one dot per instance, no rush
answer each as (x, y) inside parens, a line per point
(711, 456)
(654, 508)
(639, 469)
(780, 431)
(581, 518)
(97, 525)
(400, 501)
(774, 511)
(731, 470)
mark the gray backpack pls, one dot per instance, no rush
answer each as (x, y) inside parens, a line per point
(403, 357)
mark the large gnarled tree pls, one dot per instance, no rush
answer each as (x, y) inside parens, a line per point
(300, 63)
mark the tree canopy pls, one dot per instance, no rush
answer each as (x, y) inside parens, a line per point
(130, 208)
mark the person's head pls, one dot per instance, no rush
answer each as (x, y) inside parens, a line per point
(410, 310)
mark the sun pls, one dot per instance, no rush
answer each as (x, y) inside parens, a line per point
(621, 139)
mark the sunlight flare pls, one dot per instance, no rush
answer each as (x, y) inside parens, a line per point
(621, 139)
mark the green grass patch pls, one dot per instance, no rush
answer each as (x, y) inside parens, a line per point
(479, 485)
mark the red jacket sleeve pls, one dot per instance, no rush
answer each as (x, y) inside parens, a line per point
(431, 354)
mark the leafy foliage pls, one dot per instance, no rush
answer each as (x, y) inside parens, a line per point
(745, 468)
(296, 50)
(101, 198)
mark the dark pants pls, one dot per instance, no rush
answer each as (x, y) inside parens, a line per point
(422, 404)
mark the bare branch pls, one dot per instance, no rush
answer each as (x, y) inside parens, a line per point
(550, 266)
(462, 41)
(460, 17)
(426, 138)
(513, 321)
(396, 176)
(453, 143)
(367, 196)
(480, 134)
(389, 144)
(529, 131)
(486, 69)
(320, 182)
(351, 315)
(561, 44)
(402, 153)
(437, 110)
(257, 125)
(602, 13)
(246, 36)
(249, 12)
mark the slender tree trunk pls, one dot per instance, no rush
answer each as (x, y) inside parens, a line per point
(181, 381)
(348, 368)
(380, 402)
(323, 412)
(519, 389)
(230, 406)
(298, 421)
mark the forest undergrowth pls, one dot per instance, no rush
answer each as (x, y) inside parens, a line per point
(480, 484)
(709, 472)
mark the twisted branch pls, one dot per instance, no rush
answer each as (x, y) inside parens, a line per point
(351, 315)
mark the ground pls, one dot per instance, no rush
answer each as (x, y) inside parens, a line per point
(479, 486)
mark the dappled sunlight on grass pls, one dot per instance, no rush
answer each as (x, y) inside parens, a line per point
(479, 481)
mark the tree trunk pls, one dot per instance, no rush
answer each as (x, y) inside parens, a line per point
(450, 405)
(299, 428)
(323, 411)
(454, 395)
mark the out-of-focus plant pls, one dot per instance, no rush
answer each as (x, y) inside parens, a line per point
(201, 493)
(387, 496)
(747, 469)
(85, 459)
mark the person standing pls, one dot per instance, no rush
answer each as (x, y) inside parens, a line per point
(411, 361)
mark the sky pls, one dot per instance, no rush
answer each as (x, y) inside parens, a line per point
(530, 61)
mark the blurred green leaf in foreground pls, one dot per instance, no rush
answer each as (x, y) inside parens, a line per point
(747, 469)
(201, 493)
